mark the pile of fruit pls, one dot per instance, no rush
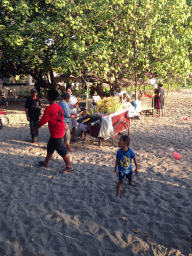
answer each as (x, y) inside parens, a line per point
(108, 105)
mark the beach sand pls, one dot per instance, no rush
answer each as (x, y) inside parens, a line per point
(44, 212)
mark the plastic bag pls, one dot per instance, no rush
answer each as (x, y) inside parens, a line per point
(106, 129)
(177, 155)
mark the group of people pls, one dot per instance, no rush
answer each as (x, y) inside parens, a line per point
(62, 122)
(58, 116)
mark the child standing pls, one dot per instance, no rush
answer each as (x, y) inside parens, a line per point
(83, 127)
(124, 162)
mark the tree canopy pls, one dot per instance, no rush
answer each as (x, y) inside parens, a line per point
(109, 39)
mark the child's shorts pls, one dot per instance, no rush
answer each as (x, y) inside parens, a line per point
(58, 145)
(122, 175)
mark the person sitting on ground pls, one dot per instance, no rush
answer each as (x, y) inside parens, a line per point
(33, 112)
(73, 103)
(54, 116)
(123, 164)
(83, 127)
(67, 119)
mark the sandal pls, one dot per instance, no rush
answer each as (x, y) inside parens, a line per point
(41, 163)
(67, 170)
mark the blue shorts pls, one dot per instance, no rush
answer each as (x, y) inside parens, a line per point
(58, 145)
(122, 175)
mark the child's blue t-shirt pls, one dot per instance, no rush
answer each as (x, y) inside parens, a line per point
(125, 160)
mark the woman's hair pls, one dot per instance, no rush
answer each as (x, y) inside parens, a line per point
(68, 87)
(156, 91)
(126, 139)
(52, 94)
(66, 95)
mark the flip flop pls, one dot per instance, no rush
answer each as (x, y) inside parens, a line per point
(41, 163)
(67, 170)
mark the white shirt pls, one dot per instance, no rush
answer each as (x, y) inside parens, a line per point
(72, 101)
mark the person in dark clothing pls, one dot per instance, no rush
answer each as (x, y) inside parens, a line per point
(33, 112)
(38, 88)
(161, 99)
(157, 101)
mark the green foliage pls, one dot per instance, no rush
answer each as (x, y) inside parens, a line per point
(108, 39)
(24, 94)
(80, 93)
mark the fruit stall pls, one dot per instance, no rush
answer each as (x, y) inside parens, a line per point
(108, 119)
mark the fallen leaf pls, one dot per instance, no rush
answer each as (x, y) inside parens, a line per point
(124, 218)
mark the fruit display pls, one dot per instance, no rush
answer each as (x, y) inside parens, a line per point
(108, 105)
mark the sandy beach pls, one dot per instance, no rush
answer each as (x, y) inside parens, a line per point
(44, 212)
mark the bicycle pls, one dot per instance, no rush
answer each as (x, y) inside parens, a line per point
(4, 120)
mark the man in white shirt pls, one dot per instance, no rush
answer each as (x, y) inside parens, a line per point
(73, 107)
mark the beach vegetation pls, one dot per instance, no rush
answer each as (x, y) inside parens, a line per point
(105, 40)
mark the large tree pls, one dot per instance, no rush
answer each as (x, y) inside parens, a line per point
(108, 39)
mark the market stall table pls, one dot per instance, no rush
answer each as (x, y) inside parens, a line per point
(108, 126)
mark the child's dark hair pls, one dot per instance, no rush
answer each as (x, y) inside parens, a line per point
(52, 94)
(126, 139)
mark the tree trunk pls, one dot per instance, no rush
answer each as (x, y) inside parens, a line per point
(52, 79)
(135, 86)
(185, 82)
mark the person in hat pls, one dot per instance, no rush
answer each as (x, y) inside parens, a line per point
(33, 112)
(67, 118)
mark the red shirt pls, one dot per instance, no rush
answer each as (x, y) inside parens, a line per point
(54, 116)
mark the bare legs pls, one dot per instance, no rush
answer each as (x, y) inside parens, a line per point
(66, 159)
(119, 185)
(47, 159)
(73, 134)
